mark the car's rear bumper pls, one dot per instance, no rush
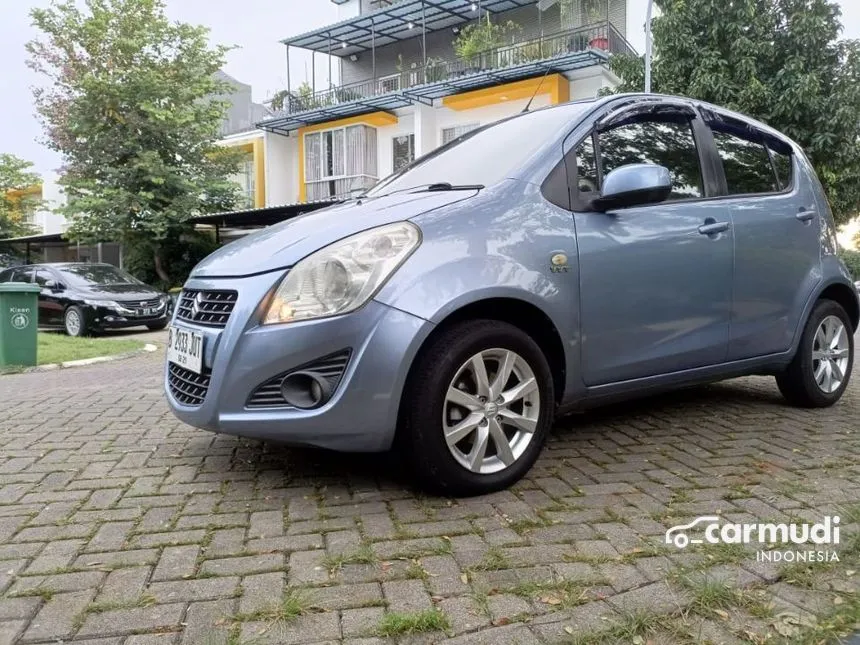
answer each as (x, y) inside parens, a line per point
(361, 414)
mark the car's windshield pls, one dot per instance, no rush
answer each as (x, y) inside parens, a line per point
(486, 155)
(84, 274)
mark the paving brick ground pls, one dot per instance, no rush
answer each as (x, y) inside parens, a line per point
(120, 525)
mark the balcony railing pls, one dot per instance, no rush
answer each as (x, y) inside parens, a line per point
(602, 36)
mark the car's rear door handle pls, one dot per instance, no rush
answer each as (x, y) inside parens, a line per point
(712, 228)
(806, 214)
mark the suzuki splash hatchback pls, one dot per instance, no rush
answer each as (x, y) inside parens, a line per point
(563, 258)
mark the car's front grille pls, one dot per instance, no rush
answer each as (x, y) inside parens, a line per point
(143, 307)
(211, 308)
(187, 387)
(268, 394)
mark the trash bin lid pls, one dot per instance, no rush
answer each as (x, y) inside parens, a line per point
(19, 287)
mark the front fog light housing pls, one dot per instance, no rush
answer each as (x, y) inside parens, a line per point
(342, 276)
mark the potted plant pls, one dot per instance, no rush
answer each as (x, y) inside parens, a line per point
(479, 37)
(594, 10)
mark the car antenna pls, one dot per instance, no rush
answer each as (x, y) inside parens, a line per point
(537, 89)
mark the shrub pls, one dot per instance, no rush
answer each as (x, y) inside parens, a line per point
(852, 261)
(181, 255)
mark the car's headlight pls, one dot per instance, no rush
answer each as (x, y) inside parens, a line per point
(109, 304)
(342, 276)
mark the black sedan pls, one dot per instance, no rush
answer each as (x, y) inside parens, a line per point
(82, 298)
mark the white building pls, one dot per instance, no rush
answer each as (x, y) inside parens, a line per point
(404, 90)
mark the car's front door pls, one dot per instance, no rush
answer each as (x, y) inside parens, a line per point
(777, 236)
(656, 280)
(50, 298)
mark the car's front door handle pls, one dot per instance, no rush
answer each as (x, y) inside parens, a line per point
(712, 228)
(806, 215)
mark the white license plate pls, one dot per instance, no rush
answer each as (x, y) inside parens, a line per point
(185, 348)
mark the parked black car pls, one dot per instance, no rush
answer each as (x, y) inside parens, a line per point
(82, 298)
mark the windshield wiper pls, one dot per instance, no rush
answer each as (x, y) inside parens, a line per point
(444, 185)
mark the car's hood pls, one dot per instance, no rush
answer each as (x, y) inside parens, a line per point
(284, 244)
(121, 292)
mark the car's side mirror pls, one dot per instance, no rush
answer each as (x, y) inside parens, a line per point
(634, 185)
(53, 285)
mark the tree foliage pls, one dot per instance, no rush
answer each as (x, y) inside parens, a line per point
(132, 104)
(15, 178)
(780, 61)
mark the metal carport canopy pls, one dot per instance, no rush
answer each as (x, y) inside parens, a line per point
(391, 23)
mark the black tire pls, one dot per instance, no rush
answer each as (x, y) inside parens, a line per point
(72, 329)
(797, 383)
(421, 436)
(156, 326)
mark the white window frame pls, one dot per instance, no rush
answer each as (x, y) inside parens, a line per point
(333, 178)
(459, 130)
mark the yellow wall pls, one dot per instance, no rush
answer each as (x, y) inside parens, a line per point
(375, 119)
(556, 85)
(257, 149)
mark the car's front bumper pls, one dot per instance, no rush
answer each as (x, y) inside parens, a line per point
(362, 413)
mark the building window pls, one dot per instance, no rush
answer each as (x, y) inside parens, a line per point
(404, 151)
(245, 177)
(449, 134)
(340, 162)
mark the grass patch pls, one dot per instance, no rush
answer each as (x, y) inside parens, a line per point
(45, 593)
(722, 553)
(400, 624)
(363, 555)
(52, 347)
(712, 597)
(494, 560)
(416, 572)
(633, 628)
(557, 594)
(291, 606)
(144, 600)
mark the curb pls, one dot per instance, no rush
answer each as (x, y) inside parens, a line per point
(50, 367)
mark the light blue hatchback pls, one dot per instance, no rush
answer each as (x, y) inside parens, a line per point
(563, 258)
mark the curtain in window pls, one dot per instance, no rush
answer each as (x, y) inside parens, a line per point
(313, 156)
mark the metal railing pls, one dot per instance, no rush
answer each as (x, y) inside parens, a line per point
(602, 36)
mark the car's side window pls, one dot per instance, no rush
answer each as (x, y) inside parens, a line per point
(6, 276)
(666, 142)
(587, 180)
(784, 164)
(42, 277)
(22, 275)
(746, 163)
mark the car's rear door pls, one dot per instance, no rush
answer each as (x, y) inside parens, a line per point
(656, 280)
(50, 298)
(777, 235)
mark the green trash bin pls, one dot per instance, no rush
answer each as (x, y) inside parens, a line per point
(19, 321)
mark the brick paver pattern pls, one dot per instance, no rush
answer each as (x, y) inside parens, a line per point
(121, 525)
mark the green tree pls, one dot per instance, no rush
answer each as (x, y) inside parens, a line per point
(15, 178)
(780, 61)
(133, 107)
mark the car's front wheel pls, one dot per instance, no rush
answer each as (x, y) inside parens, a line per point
(821, 368)
(74, 322)
(478, 407)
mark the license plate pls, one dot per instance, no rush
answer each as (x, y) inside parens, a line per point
(185, 348)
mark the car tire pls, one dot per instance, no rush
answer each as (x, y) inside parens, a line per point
(429, 415)
(156, 326)
(74, 322)
(826, 351)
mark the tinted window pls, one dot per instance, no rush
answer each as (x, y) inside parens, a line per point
(42, 276)
(784, 168)
(6, 276)
(746, 164)
(96, 274)
(586, 167)
(22, 274)
(489, 154)
(668, 143)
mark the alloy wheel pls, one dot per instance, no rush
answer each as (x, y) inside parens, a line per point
(491, 411)
(73, 323)
(830, 349)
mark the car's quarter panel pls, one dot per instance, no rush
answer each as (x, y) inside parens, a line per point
(500, 244)
(361, 415)
(777, 267)
(655, 292)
